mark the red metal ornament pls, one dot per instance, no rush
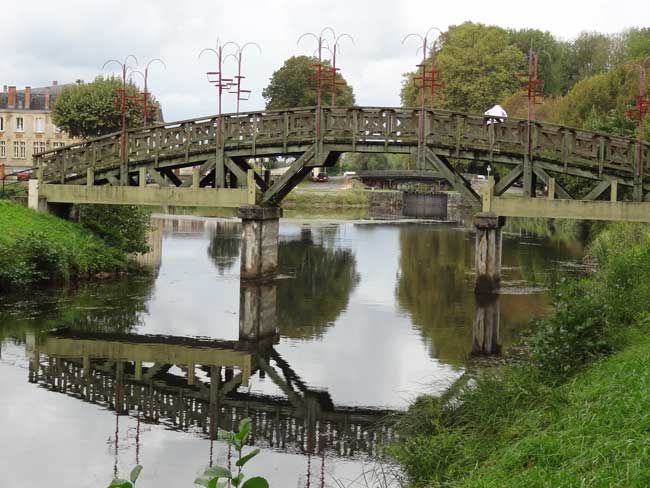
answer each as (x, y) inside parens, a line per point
(534, 92)
(638, 113)
(427, 79)
(146, 108)
(241, 94)
(122, 95)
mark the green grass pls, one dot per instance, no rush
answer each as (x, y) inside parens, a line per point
(351, 197)
(593, 432)
(39, 247)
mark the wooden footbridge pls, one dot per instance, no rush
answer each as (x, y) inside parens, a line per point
(194, 385)
(220, 149)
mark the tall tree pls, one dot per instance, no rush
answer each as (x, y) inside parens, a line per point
(588, 55)
(91, 109)
(294, 85)
(601, 101)
(479, 67)
(551, 55)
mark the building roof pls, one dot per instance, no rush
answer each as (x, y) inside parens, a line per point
(37, 97)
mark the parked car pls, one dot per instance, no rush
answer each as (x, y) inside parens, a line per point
(24, 176)
(321, 178)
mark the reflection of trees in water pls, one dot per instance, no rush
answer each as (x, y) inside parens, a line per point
(435, 287)
(224, 245)
(561, 240)
(432, 287)
(110, 306)
(323, 278)
(536, 260)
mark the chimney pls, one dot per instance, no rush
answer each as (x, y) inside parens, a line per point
(47, 99)
(28, 97)
(55, 83)
(11, 103)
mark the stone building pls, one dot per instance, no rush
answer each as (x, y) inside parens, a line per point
(26, 125)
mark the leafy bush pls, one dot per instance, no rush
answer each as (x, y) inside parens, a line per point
(36, 247)
(217, 476)
(123, 226)
(220, 477)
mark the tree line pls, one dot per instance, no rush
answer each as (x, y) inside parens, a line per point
(589, 82)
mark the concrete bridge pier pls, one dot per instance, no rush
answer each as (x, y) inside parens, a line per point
(488, 252)
(259, 243)
(257, 311)
(37, 202)
(485, 333)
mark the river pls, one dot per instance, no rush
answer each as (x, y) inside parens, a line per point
(368, 316)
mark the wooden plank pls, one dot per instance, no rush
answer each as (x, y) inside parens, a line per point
(133, 195)
(171, 176)
(508, 180)
(289, 179)
(571, 209)
(160, 179)
(598, 190)
(545, 177)
(456, 180)
(235, 168)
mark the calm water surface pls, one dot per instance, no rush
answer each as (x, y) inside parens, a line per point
(368, 316)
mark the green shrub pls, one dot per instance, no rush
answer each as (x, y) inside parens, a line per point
(39, 247)
(123, 226)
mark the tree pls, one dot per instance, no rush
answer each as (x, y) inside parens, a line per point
(551, 54)
(293, 85)
(478, 65)
(601, 102)
(90, 109)
(588, 55)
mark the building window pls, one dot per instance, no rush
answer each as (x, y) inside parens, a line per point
(19, 150)
(39, 147)
(2, 124)
(20, 124)
(56, 145)
(39, 125)
(3, 149)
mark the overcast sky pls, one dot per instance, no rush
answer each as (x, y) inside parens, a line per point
(70, 39)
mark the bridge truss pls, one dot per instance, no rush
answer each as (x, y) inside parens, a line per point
(221, 154)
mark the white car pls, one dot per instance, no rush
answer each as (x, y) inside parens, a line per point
(350, 173)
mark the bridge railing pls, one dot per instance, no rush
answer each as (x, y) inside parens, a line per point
(462, 135)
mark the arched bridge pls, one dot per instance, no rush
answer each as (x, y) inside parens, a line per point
(220, 150)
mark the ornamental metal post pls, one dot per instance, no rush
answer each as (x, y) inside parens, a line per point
(145, 94)
(221, 84)
(241, 95)
(638, 113)
(333, 70)
(429, 80)
(122, 104)
(319, 77)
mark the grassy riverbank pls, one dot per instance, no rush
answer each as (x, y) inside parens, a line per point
(349, 197)
(575, 413)
(39, 247)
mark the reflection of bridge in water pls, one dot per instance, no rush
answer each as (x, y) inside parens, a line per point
(199, 385)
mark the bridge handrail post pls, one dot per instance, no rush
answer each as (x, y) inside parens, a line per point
(638, 175)
(355, 125)
(285, 132)
(488, 195)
